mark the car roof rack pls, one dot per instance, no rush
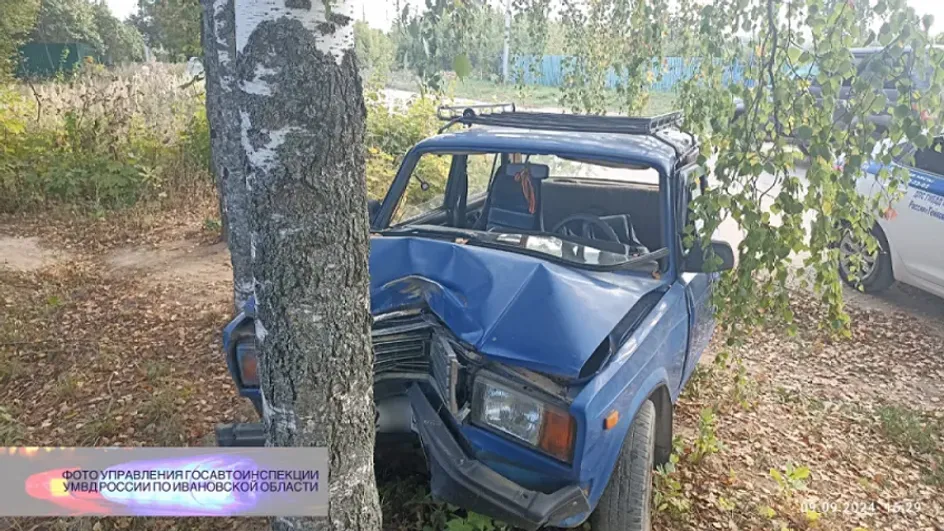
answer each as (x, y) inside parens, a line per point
(452, 112)
(505, 115)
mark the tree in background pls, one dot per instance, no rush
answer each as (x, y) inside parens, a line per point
(861, 9)
(618, 39)
(795, 46)
(375, 50)
(65, 21)
(464, 36)
(529, 38)
(170, 27)
(121, 42)
(19, 17)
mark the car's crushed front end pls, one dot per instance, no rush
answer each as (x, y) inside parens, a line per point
(481, 354)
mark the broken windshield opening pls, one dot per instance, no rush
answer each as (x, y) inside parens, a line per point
(591, 213)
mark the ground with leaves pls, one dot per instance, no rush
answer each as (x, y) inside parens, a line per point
(811, 432)
(109, 334)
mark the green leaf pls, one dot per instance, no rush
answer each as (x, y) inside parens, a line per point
(462, 65)
(805, 132)
(802, 472)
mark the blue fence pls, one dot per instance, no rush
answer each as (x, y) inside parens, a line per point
(665, 75)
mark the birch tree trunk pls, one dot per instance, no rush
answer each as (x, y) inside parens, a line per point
(301, 116)
(226, 153)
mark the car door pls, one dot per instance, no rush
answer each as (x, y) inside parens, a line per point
(697, 285)
(920, 216)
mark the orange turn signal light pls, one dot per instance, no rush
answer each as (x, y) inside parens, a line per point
(557, 434)
(249, 370)
(611, 420)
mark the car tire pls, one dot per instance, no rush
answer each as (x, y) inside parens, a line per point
(881, 276)
(626, 504)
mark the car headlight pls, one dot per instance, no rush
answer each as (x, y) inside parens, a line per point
(247, 362)
(524, 417)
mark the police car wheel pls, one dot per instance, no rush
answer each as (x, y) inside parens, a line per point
(874, 271)
(627, 500)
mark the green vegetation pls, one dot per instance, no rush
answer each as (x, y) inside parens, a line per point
(19, 17)
(917, 432)
(542, 96)
(375, 50)
(11, 432)
(107, 139)
(447, 38)
(911, 429)
(391, 132)
(170, 27)
(66, 21)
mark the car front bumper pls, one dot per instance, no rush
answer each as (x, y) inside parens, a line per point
(456, 476)
(459, 478)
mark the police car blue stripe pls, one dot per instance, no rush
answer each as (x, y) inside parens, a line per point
(927, 182)
(919, 180)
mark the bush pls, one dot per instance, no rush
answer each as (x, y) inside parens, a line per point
(391, 131)
(375, 50)
(106, 139)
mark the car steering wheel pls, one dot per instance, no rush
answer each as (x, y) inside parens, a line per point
(586, 226)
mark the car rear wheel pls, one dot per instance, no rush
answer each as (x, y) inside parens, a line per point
(870, 272)
(626, 502)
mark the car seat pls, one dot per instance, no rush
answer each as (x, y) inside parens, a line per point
(514, 201)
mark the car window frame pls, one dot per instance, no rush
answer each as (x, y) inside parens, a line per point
(692, 177)
(666, 205)
(432, 213)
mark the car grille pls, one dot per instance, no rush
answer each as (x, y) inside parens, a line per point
(411, 347)
(401, 347)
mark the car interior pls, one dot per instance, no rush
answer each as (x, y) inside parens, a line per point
(527, 197)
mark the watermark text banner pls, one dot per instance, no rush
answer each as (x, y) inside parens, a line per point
(163, 482)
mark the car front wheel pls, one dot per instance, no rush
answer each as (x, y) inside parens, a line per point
(870, 272)
(626, 502)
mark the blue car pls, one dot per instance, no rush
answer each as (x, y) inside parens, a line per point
(536, 314)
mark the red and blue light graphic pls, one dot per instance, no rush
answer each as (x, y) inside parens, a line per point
(51, 485)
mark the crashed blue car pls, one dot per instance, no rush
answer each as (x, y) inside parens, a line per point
(536, 312)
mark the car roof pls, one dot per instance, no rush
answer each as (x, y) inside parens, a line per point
(610, 147)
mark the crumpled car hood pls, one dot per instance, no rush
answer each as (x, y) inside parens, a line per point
(513, 308)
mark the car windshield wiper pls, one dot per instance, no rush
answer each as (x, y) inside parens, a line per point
(431, 230)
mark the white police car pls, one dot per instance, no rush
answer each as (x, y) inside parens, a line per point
(910, 236)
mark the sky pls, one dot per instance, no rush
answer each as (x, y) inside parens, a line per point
(380, 13)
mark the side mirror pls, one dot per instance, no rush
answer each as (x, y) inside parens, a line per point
(696, 261)
(373, 208)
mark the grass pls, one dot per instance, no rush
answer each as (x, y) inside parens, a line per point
(915, 431)
(10, 368)
(102, 427)
(159, 419)
(478, 89)
(11, 432)
(911, 429)
(67, 385)
(155, 371)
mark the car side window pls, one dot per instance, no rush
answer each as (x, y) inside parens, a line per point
(931, 159)
(479, 170)
(426, 190)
